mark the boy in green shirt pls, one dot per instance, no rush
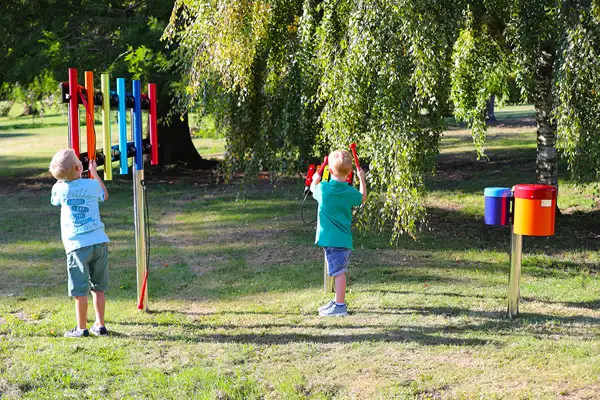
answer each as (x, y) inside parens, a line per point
(334, 219)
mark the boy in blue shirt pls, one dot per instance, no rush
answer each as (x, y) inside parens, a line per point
(83, 236)
(334, 219)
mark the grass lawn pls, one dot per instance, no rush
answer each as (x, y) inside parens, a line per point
(234, 286)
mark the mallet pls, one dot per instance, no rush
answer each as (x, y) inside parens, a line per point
(353, 148)
(143, 292)
(325, 162)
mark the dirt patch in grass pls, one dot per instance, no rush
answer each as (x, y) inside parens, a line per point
(587, 393)
(18, 185)
(25, 318)
(396, 258)
(201, 270)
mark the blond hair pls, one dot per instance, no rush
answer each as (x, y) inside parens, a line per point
(64, 165)
(340, 162)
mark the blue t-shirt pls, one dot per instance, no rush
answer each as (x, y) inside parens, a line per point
(334, 217)
(80, 223)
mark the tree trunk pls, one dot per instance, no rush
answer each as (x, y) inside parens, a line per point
(175, 141)
(490, 105)
(546, 170)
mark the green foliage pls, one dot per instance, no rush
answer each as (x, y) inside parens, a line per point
(204, 127)
(41, 92)
(532, 27)
(293, 80)
(480, 70)
(5, 107)
(288, 81)
(241, 62)
(578, 96)
(119, 37)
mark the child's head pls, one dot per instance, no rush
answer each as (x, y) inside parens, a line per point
(340, 163)
(65, 166)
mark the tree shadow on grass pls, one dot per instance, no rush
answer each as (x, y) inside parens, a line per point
(258, 247)
(15, 168)
(450, 229)
(28, 126)
(13, 135)
(505, 167)
(347, 330)
(397, 335)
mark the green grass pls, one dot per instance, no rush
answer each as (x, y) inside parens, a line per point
(234, 286)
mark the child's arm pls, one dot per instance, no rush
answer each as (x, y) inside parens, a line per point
(94, 174)
(363, 183)
(315, 181)
(54, 199)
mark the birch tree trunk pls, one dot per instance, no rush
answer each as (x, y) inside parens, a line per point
(546, 170)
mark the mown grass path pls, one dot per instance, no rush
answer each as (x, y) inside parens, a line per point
(234, 286)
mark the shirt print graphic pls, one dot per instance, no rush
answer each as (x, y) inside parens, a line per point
(78, 212)
(81, 213)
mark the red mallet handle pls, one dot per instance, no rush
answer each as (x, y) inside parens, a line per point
(143, 294)
(353, 148)
(325, 162)
(309, 175)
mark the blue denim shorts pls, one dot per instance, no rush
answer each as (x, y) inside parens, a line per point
(337, 259)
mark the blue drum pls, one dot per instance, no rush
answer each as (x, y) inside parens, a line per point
(497, 206)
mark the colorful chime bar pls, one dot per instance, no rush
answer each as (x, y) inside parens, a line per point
(73, 111)
(73, 93)
(136, 101)
(106, 134)
(122, 115)
(89, 115)
(153, 125)
(136, 122)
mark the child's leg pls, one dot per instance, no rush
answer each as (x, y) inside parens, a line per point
(340, 288)
(99, 280)
(99, 304)
(81, 307)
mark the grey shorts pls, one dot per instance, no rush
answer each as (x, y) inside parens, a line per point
(88, 269)
(337, 259)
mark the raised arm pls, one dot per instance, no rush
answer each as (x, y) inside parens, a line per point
(94, 174)
(362, 176)
(315, 181)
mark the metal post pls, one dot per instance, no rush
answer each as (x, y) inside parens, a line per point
(514, 277)
(139, 212)
(328, 281)
(139, 196)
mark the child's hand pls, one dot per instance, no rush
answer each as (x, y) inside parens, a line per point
(92, 168)
(316, 178)
(362, 175)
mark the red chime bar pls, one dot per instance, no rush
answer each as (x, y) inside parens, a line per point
(152, 122)
(73, 111)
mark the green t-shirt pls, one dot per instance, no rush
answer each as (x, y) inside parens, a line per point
(334, 216)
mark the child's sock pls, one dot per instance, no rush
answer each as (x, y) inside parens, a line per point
(80, 330)
(339, 304)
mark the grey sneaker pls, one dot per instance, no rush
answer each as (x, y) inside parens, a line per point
(76, 333)
(326, 306)
(335, 311)
(98, 330)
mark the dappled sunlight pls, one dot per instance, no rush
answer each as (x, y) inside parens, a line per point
(234, 285)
